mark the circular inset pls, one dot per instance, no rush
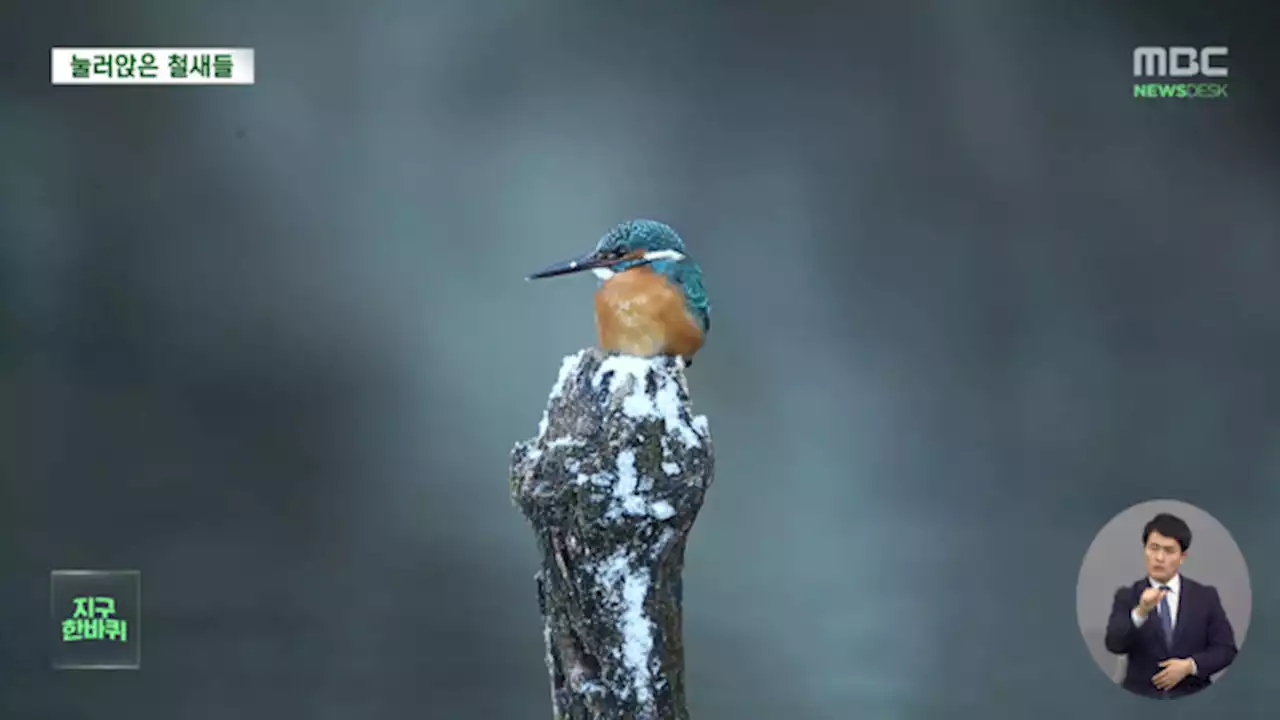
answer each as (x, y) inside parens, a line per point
(1163, 599)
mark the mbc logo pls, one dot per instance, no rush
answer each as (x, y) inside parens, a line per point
(1178, 62)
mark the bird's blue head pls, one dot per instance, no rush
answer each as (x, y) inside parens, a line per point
(639, 242)
(631, 244)
(642, 242)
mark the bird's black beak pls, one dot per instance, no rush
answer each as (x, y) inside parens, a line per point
(589, 261)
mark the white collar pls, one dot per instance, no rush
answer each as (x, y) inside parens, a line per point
(1174, 584)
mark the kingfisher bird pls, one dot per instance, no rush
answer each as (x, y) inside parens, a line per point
(650, 300)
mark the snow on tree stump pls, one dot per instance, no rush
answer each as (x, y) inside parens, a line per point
(612, 484)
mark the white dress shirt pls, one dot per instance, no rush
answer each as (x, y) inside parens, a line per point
(1174, 596)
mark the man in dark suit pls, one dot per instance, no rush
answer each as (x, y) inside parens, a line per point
(1172, 628)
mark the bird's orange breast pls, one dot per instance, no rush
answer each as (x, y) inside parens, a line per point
(639, 313)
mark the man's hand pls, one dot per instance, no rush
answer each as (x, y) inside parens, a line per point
(1175, 671)
(1150, 598)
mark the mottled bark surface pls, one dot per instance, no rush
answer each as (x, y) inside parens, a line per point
(612, 484)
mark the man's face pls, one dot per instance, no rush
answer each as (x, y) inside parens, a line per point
(1164, 557)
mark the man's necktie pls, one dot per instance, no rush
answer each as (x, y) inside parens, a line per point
(1166, 616)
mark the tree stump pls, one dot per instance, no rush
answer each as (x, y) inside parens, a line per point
(612, 484)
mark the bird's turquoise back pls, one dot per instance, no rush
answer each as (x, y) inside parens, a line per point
(686, 275)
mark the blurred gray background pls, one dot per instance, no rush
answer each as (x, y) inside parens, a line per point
(271, 345)
(1116, 559)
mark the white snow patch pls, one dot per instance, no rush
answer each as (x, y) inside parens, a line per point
(567, 366)
(624, 366)
(670, 468)
(668, 536)
(633, 623)
(549, 658)
(700, 425)
(662, 509)
(629, 502)
(579, 679)
(662, 405)
(565, 441)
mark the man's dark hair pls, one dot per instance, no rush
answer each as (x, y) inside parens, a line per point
(1170, 526)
